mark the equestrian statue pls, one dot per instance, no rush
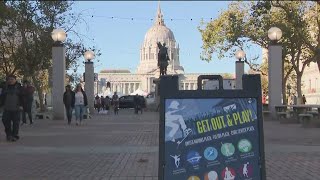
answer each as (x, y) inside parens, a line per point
(163, 58)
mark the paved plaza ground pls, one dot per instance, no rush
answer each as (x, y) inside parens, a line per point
(125, 147)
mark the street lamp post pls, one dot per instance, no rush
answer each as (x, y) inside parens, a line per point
(58, 73)
(89, 79)
(275, 69)
(239, 68)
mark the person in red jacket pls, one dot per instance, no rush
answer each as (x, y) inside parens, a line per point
(27, 91)
(264, 99)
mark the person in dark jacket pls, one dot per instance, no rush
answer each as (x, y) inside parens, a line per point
(68, 101)
(28, 92)
(137, 104)
(304, 100)
(12, 100)
(102, 102)
(115, 102)
(80, 104)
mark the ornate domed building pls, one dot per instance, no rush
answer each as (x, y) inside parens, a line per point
(125, 82)
(159, 32)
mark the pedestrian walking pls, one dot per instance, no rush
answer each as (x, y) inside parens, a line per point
(115, 102)
(12, 100)
(97, 103)
(28, 92)
(69, 101)
(102, 101)
(137, 104)
(304, 100)
(80, 104)
(107, 103)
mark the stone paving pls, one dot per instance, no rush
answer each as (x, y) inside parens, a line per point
(125, 147)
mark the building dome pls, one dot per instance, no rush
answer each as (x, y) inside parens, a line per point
(159, 32)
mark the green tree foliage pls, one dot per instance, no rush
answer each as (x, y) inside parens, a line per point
(247, 23)
(26, 44)
(301, 28)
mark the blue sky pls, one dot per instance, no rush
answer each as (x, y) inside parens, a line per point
(121, 39)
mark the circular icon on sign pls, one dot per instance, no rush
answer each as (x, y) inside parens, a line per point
(228, 174)
(244, 146)
(193, 157)
(246, 170)
(227, 149)
(212, 175)
(210, 153)
(193, 178)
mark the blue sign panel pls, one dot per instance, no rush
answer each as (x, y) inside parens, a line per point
(211, 139)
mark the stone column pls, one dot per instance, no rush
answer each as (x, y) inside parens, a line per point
(89, 84)
(134, 86)
(184, 86)
(130, 88)
(275, 77)
(113, 88)
(58, 79)
(239, 74)
(123, 88)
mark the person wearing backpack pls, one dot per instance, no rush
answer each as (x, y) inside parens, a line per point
(11, 100)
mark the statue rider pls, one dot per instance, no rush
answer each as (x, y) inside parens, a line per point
(163, 58)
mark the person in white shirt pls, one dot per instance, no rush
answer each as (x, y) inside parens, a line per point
(80, 103)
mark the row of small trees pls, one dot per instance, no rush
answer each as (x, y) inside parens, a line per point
(245, 24)
(26, 44)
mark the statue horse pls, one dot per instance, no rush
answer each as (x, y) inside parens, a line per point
(163, 58)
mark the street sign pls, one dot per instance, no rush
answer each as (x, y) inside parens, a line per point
(211, 134)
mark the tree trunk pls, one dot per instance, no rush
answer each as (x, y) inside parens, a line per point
(40, 93)
(284, 80)
(284, 94)
(299, 91)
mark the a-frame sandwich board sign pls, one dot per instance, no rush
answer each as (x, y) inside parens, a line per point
(211, 134)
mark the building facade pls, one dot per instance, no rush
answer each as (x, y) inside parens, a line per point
(310, 84)
(124, 82)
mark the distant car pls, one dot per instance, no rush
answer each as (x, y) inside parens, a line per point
(128, 101)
